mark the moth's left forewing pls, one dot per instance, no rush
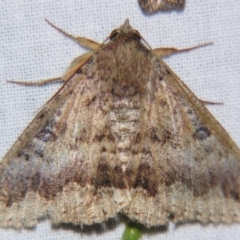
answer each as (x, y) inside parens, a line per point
(211, 161)
(193, 165)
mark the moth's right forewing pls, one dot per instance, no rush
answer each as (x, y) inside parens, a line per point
(52, 169)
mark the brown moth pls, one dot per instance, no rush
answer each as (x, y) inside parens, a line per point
(123, 135)
(151, 6)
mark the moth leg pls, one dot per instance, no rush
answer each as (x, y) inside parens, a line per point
(82, 41)
(38, 83)
(166, 52)
(75, 65)
(210, 103)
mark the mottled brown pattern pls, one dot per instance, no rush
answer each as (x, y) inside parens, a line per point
(153, 136)
(119, 177)
(202, 133)
(146, 179)
(123, 134)
(103, 176)
(151, 6)
(46, 135)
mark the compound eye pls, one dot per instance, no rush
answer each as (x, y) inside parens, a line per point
(114, 34)
(137, 35)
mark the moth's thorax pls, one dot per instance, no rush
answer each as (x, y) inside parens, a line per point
(123, 65)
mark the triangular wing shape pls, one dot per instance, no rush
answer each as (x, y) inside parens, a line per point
(190, 167)
(123, 134)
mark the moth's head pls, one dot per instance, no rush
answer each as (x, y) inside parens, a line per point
(126, 32)
(125, 29)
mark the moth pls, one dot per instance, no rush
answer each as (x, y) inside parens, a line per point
(122, 135)
(151, 6)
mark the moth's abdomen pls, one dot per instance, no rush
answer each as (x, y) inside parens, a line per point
(124, 122)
